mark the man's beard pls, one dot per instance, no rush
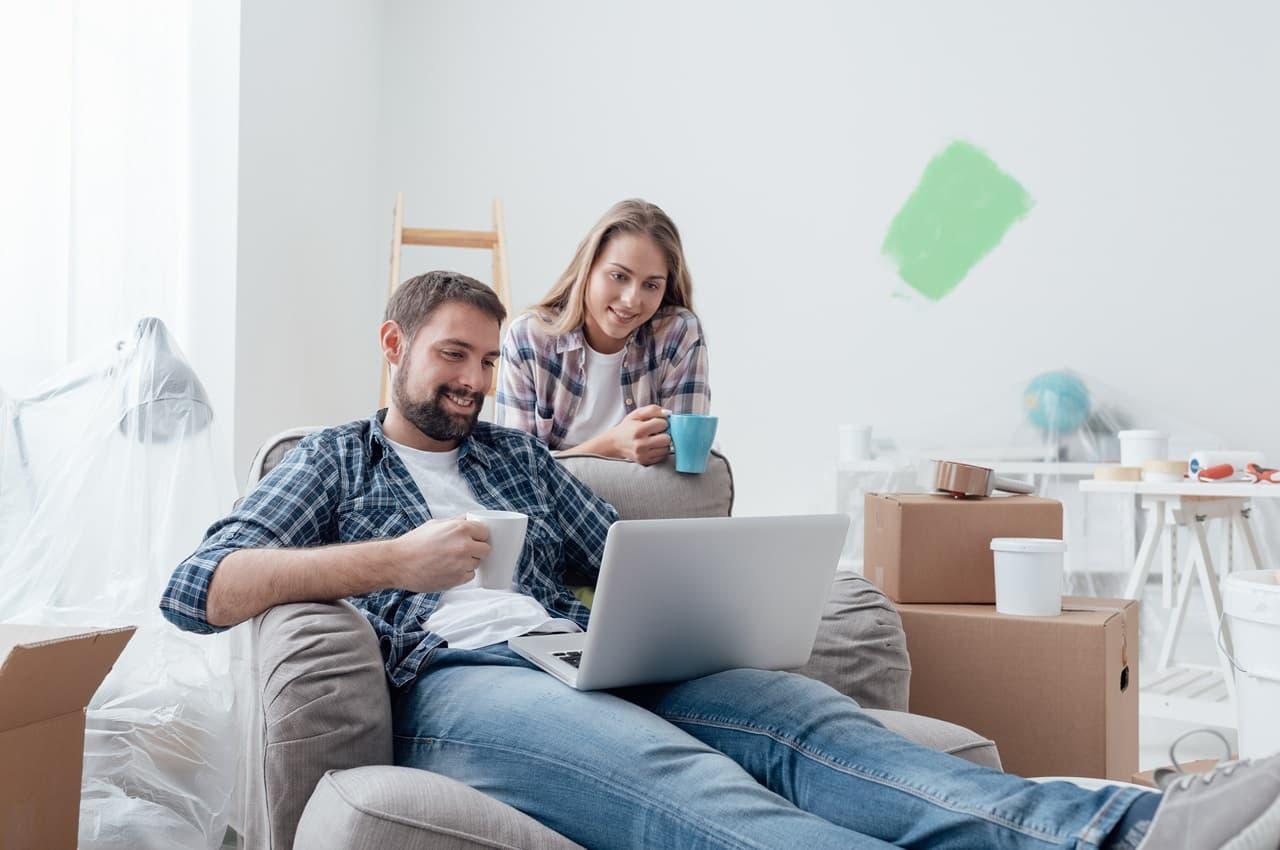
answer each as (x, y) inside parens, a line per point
(430, 416)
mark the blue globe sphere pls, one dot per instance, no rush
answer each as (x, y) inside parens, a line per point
(1056, 402)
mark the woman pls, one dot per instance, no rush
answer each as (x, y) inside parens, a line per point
(613, 348)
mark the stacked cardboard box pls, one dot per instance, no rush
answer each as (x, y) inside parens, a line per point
(1058, 695)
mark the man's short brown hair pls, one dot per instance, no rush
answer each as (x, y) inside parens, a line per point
(417, 298)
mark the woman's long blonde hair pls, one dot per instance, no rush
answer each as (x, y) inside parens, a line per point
(564, 308)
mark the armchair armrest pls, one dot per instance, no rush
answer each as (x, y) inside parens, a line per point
(861, 648)
(325, 706)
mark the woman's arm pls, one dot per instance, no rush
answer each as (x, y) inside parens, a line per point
(686, 387)
(517, 398)
(640, 437)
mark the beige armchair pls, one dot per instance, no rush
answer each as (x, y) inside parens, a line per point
(321, 754)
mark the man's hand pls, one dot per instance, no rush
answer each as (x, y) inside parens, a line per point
(440, 554)
(642, 436)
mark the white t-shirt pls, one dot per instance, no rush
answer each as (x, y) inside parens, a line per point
(601, 406)
(469, 616)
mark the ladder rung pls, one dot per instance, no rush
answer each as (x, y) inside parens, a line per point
(449, 238)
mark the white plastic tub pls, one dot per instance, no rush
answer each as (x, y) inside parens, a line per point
(1029, 575)
(1251, 602)
(1138, 447)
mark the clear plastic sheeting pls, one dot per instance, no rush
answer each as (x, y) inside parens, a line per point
(109, 479)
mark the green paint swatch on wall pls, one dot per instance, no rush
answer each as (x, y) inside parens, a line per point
(962, 208)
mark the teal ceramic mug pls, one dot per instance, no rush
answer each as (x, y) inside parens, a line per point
(692, 435)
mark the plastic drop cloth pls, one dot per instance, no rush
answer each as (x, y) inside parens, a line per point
(108, 479)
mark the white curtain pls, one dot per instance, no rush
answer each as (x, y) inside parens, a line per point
(95, 170)
(96, 211)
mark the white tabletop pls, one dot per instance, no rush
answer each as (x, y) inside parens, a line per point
(1229, 490)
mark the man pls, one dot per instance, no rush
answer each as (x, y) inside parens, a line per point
(744, 758)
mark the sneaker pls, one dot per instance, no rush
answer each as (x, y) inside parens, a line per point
(1236, 807)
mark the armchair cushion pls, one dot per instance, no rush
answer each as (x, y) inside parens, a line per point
(379, 808)
(941, 736)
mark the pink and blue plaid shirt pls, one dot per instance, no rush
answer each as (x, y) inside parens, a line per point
(542, 376)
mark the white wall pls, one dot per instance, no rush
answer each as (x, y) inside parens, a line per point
(210, 304)
(783, 138)
(312, 248)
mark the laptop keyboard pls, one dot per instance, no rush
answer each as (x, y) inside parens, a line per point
(573, 657)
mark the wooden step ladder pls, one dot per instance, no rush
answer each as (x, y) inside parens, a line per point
(490, 240)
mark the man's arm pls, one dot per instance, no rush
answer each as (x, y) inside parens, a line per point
(249, 581)
(270, 551)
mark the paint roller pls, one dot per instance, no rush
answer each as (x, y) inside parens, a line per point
(1222, 465)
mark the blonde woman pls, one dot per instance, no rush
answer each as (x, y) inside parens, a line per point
(613, 348)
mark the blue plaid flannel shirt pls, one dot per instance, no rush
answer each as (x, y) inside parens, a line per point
(346, 484)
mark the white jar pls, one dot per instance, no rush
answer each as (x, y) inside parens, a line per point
(1029, 575)
(855, 443)
(1138, 447)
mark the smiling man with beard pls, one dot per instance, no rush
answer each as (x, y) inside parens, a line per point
(744, 758)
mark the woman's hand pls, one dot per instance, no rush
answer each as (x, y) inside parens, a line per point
(642, 436)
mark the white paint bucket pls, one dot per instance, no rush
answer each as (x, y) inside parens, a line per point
(1029, 575)
(1252, 600)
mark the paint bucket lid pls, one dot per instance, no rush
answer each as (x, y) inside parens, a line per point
(1027, 544)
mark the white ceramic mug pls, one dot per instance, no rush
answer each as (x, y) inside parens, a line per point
(1029, 575)
(506, 541)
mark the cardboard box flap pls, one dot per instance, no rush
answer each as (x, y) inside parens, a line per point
(49, 671)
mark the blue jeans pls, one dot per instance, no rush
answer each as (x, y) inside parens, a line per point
(745, 758)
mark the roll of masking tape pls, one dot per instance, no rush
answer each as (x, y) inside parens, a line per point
(1205, 459)
(1167, 471)
(1116, 472)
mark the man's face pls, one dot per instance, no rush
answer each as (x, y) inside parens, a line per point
(446, 370)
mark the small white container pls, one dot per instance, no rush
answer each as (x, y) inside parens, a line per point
(855, 443)
(1138, 447)
(1029, 575)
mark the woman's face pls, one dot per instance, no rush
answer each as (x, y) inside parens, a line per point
(624, 290)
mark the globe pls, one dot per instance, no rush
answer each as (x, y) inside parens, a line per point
(1056, 402)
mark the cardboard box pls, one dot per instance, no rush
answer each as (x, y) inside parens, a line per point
(47, 676)
(1058, 695)
(928, 548)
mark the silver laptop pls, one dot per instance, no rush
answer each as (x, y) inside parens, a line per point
(682, 598)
